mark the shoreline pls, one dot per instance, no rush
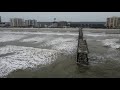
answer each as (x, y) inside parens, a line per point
(93, 30)
(64, 28)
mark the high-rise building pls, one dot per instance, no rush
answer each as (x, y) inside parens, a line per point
(31, 23)
(113, 22)
(17, 22)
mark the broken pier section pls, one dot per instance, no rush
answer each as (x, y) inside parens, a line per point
(82, 49)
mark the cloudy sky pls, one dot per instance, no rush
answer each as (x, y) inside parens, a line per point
(60, 16)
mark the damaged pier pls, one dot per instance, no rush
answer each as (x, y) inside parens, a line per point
(82, 49)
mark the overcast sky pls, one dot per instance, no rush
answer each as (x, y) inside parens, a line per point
(60, 16)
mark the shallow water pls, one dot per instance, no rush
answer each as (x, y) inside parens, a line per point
(53, 54)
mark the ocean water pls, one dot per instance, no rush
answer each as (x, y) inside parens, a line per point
(52, 53)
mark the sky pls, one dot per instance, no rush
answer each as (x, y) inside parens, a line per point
(60, 16)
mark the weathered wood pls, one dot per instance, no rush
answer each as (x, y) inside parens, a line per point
(82, 50)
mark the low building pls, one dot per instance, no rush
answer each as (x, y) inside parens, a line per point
(44, 24)
(39, 25)
(54, 25)
(88, 24)
(62, 24)
(5, 24)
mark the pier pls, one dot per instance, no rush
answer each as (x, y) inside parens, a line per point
(82, 49)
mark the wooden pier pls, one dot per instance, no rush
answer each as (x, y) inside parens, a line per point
(82, 49)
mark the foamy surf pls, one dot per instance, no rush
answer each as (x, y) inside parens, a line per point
(24, 57)
(10, 37)
(34, 39)
(65, 45)
(111, 43)
(95, 34)
(45, 32)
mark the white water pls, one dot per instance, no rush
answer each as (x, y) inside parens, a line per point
(65, 45)
(34, 39)
(28, 57)
(24, 57)
(95, 34)
(43, 32)
(10, 37)
(111, 43)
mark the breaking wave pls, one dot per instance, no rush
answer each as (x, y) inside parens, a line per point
(111, 43)
(24, 57)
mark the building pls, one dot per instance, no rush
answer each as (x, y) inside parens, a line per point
(44, 24)
(17, 22)
(51, 24)
(39, 25)
(62, 24)
(31, 23)
(5, 24)
(113, 22)
(88, 24)
(54, 25)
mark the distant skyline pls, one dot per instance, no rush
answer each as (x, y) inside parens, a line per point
(60, 16)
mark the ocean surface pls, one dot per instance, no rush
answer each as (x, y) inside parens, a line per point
(51, 53)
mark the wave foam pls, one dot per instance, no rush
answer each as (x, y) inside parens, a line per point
(111, 43)
(65, 45)
(24, 57)
(34, 39)
(6, 38)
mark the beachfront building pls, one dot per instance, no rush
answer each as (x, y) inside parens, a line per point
(88, 24)
(54, 25)
(113, 22)
(39, 25)
(62, 24)
(5, 24)
(31, 23)
(17, 22)
(44, 24)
